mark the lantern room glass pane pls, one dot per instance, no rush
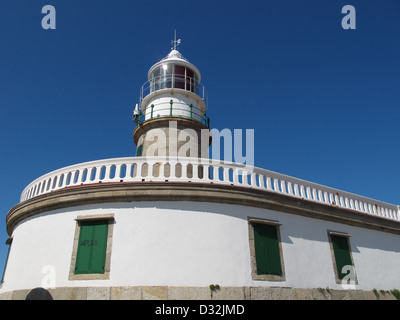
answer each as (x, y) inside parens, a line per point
(166, 76)
(189, 80)
(179, 77)
(155, 80)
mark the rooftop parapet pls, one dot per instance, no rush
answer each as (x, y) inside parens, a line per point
(207, 171)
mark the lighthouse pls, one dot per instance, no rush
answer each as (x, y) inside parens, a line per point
(171, 223)
(171, 116)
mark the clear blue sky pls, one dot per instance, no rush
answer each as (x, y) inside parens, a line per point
(323, 101)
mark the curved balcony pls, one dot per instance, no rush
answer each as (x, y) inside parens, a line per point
(188, 84)
(139, 169)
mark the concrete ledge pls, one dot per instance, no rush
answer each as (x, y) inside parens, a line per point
(188, 191)
(202, 293)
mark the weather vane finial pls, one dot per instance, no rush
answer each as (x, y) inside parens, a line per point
(175, 42)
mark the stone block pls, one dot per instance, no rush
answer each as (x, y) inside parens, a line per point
(228, 293)
(340, 294)
(69, 293)
(384, 295)
(155, 293)
(320, 294)
(6, 295)
(126, 293)
(20, 294)
(246, 293)
(302, 294)
(98, 293)
(369, 295)
(189, 293)
(280, 293)
(260, 293)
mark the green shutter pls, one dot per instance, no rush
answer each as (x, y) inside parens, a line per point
(342, 254)
(5, 265)
(91, 255)
(268, 258)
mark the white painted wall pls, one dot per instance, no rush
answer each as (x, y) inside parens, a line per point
(180, 106)
(195, 244)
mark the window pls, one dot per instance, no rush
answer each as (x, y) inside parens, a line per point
(170, 75)
(179, 77)
(342, 258)
(92, 248)
(139, 151)
(266, 250)
(8, 241)
(166, 76)
(190, 80)
(155, 80)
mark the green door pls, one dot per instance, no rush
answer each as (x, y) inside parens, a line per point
(91, 255)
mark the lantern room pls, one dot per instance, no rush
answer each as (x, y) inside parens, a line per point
(173, 89)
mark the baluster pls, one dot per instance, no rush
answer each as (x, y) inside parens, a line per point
(215, 173)
(261, 180)
(243, 176)
(276, 185)
(226, 174)
(254, 179)
(235, 176)
(331, 198)
(289, 188)
(346, 202)
(386, 212)
(269, 185)
(97, 175)
(336, 199)
(184, 171)
(38, 188)
(326, 197)
(302, 193)
(308, 190)
(172, 168)
(283, 186)
(161, 173)
(296, 190)
(314, 194)
(320, 196)
(139, 166)
(117, 172)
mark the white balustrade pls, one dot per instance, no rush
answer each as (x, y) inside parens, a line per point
(138, 169)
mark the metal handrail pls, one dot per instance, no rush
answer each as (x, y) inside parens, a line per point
(169, 82)
(192, 113)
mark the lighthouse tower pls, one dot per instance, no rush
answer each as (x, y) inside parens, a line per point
(171, 115)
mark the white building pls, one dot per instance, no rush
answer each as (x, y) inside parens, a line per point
(170, 224)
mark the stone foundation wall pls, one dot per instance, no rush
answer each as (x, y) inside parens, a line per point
(203, 293)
